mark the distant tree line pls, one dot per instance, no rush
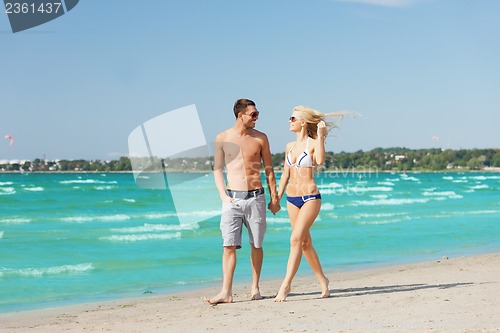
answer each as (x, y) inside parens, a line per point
(379, 159)
(40, 165)
(404, 159)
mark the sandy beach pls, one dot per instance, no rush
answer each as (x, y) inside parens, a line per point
(446, 295)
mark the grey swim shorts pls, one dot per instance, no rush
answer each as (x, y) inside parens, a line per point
(249, 210)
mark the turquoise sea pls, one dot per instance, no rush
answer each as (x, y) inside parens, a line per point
(72, 237)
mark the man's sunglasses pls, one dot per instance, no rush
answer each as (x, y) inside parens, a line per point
(254, 114)
(292, 119)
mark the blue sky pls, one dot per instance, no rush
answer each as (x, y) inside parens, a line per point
(77, 86)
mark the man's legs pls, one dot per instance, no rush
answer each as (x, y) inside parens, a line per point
(256, 259)
(256, 224)
(228, 267)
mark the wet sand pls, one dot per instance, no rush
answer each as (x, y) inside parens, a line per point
(445, 295)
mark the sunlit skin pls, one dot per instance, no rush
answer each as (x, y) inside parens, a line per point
(299, 181)
(242, 149)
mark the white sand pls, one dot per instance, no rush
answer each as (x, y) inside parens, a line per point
(454, 295)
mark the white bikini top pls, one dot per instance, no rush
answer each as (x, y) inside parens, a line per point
(304, 160)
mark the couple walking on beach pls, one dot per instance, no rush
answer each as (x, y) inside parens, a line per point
(242, 150)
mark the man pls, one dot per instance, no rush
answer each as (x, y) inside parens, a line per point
(241, 149)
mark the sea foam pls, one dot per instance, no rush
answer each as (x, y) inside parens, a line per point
(87, 181)
(157, 227)
(34, 189)
(391, 202)
(55, 270)
(14, 220)
(448, 194)
(80, 219)
(7, 190)
(142, 237)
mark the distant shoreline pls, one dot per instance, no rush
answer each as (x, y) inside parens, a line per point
(348, 171)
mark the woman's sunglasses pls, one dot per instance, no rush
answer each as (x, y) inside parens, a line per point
(292, 119)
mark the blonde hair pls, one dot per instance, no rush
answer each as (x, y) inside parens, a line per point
(313, 117)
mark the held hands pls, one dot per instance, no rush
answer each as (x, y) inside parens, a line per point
(321, 130)
(274, 207)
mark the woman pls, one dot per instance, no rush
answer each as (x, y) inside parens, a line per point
(303, 197)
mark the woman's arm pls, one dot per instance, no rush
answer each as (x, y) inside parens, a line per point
(319, 147)
(285, 176)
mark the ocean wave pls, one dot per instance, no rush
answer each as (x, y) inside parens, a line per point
(448, 194)
(392, 179)
(129, 200)
(362, 189)
(157, 227)
(158, 216)
(386, 183)
(34, 272)
(356, 190)
(6, 183)
(34, 189)
(200, 213)
(330, 185)
(142, 237)
(378, 215)
(379, 196)
(473, 212)
(104, 188)
(478, 178)
(277, 220)
(415, 179)
(331, 191)
(280, 228)
(1, 234)
(386, 221)
(87, 181)
(327, 206)
(7, 190)
(117, 217)
(390, 202)
(479, 187)
(79, 219)
(14, 220)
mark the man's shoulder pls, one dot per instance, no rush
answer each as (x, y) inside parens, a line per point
(222, 134)
(258, 134)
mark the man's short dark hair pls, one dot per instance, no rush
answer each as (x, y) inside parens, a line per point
(241, 105)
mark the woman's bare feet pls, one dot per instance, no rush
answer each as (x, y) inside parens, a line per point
(325, 291)
(256, 295)
(220, 298)
(282, 294)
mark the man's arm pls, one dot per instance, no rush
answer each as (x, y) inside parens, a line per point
(274, 205)
(219, 167)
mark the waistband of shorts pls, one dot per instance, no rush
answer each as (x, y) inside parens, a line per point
(245, 194)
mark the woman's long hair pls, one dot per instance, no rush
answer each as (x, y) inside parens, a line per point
(313, 117)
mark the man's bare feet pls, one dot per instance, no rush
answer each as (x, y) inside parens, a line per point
(256, 295)
(220, 298)
(325, 291)
(282, 294)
